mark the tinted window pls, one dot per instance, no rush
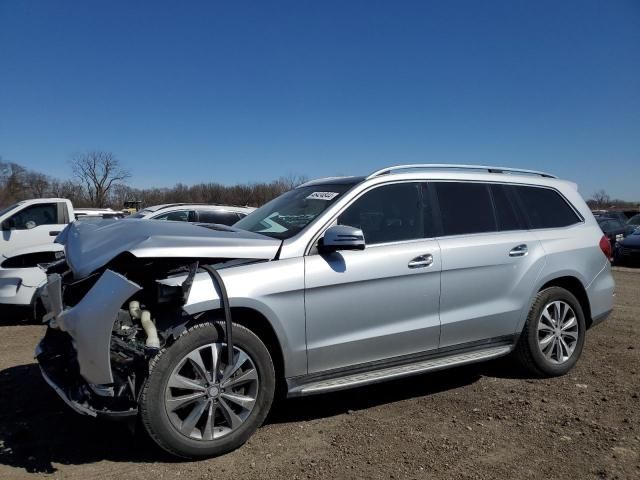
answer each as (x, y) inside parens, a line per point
(429, 212)
(177, 216)
(465, 208)
(506, 209)
(545, 208)
(30, 217)
(219, 216)
(390, 213)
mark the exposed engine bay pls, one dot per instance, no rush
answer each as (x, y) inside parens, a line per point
(106, 347)
(104, 326)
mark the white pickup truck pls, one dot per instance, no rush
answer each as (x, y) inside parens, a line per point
(33, 222)
(28, 229)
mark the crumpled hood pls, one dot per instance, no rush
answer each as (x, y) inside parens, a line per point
(91, 245)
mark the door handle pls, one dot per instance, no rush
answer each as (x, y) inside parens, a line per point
(53, 233)
(421, 261)
(519, 251)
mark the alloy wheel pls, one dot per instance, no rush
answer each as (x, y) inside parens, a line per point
(558, 332)
(205, 398)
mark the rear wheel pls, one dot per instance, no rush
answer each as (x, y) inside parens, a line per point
(553, 337)
(194, 404)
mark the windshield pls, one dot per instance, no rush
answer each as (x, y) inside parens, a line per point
(635, 220)
(291, 212)
(10, 207)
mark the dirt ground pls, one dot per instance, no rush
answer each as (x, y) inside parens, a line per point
(475, 422)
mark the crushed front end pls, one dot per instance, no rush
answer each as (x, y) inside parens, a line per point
(103, 330)
(120, 295)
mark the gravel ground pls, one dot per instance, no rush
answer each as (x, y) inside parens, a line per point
(475, 422)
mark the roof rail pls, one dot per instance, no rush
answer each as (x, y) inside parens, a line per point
(389, 170)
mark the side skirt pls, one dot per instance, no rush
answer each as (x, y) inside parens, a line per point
(377, 372)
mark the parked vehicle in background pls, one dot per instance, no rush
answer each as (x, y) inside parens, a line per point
(618, 215)
(98, 212)
(627, 250)
(131, 206)
(339, 283)
(614, 229)
(634, 221)
(195, 213)
(33, 222)
(22, 272)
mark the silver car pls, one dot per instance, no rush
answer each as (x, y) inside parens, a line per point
(339, 283)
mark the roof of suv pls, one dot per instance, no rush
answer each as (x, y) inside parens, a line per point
(449, 171)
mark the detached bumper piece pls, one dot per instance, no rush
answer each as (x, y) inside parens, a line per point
(59, 366)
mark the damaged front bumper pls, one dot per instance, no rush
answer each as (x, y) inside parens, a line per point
(59, 368)
(77, 351)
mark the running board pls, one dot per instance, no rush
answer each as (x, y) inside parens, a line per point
(366, 378)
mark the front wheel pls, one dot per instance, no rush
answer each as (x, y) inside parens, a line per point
(553, 337)
(196, 405)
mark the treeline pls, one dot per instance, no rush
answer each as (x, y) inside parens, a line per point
(251, 194)
(601, 200)
(19, 183)
(99, 181)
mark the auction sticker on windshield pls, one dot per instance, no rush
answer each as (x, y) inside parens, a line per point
(322, 196)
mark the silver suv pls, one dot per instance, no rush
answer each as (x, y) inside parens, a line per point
(339, 283)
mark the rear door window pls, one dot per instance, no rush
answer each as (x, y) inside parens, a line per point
(178, 216)
(465, 208)
(505, 204)
(545, 208)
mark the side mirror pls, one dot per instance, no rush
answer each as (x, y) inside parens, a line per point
(341, 237)
(8, 224)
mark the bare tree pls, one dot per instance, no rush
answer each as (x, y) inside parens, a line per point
(601, 199)
(38, 184)
(98, 171)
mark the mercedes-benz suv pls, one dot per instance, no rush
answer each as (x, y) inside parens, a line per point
(339, 283)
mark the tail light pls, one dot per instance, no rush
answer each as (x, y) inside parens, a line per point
(605, 246)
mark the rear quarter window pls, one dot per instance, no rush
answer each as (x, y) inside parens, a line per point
(546, 208)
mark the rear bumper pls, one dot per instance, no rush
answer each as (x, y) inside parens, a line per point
(601, 294)
(600, 318)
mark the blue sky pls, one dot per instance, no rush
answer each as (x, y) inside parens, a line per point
(240, 91)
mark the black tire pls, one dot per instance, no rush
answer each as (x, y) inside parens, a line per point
(152, 409)
(528, 352)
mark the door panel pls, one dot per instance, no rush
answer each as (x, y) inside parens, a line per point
(33, 225)
(363, 306)
(485, 290)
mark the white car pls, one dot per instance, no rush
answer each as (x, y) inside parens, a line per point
(195, 213)
(82, 213)
(21, 275)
